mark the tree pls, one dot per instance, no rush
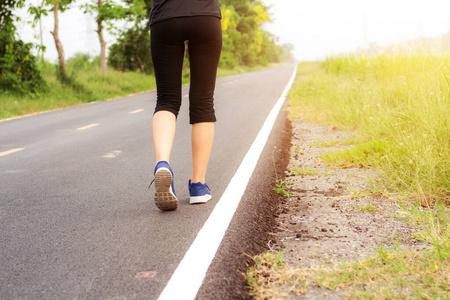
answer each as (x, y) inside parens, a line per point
(245, 42)
(6, 16)
(56, 6)
(59, 6)
(108, 12)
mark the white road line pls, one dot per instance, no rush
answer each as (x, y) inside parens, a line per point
(189, 275)
(11, 151)
(112, 154)
(136, 111)
(88, 126)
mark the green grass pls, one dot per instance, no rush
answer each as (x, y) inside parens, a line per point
(399, 107)
(433, 226)
(333, 143)
(281, 185)
(305, 171)
(388, 274)
(281, 188)
(367, 207)
(89, 86)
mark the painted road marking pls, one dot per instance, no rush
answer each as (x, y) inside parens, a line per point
(112, 154)
(11, 151)
(136, 111)
(88, 126)
(189, 275)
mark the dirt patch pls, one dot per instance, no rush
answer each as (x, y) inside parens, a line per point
(323, 221)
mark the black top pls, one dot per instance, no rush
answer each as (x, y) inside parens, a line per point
(166, 9)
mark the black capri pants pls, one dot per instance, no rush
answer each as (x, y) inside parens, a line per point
(204, 36)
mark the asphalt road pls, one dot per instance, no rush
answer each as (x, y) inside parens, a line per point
(76, 217)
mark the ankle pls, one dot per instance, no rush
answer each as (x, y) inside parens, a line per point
(198, 180)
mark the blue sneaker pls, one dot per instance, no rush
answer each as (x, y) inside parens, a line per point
(165, 197)
(199, 192)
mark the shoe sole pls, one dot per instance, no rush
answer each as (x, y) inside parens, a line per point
(200, 199)
(164, 198)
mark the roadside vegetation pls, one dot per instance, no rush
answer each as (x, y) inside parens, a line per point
(398, 107)
(29, 84)
(88, 85)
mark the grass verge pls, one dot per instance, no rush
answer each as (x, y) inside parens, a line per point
(388, 274)
(399, 107)
(88, 85)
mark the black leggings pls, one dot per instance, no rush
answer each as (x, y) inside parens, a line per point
(204, 36)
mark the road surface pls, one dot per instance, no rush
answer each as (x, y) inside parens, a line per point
(76, 217)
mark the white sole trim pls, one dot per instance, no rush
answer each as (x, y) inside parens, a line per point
(200, 199)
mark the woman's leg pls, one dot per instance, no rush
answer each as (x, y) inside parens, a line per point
(202, 142)
(163, 128)
(167, 48)
(205, 45)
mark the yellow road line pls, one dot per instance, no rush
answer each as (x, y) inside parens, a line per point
(136, 111)
(87, 126)
(11, 151)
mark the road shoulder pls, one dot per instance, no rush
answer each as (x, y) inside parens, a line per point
(250, 230)
(331, 215)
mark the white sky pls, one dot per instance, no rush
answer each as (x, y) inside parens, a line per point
(76, 32)
(317, 28)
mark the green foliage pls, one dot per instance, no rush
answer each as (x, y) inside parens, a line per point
(81, 61)
(110, 11)
(19, 69)
(18, 66)
(132, 51)
(244, 41)
(63, 4)
(6, 17)
(89, 85)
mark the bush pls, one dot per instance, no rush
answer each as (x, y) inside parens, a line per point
(18, 67)
(132, 51)
(81, 61)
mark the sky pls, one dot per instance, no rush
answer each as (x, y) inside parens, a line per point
(316, 28)
(321, 28)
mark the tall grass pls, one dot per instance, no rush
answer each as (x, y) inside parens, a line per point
(399, 105)
(87, 85)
